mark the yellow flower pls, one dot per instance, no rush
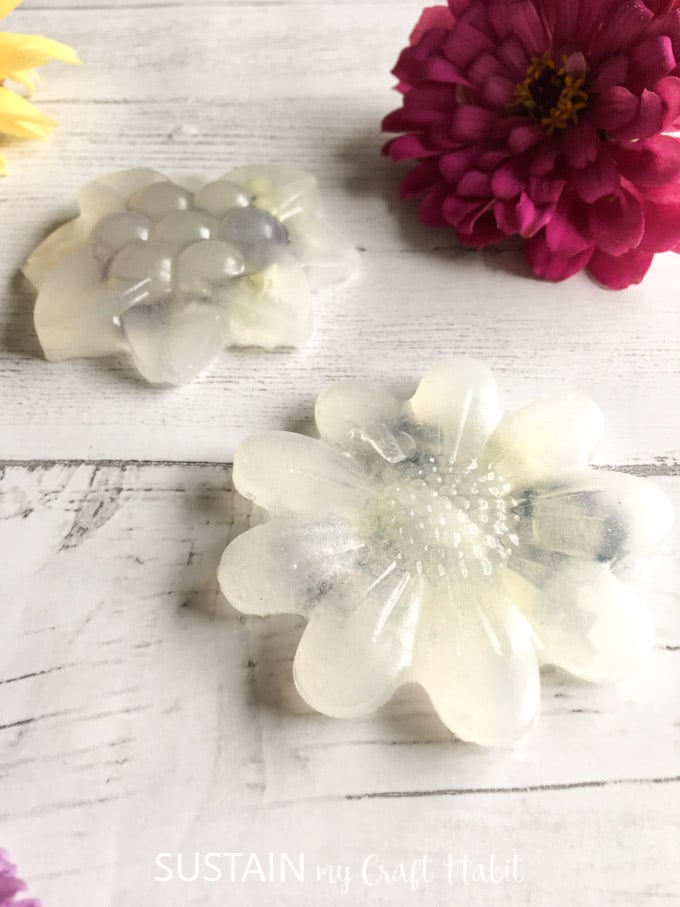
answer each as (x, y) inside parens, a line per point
(19, 54)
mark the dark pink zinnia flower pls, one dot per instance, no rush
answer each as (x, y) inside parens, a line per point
(547, 119)
(11, 886)
(659, 7)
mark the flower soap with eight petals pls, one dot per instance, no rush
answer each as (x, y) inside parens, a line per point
(441, 540)
(172, 273)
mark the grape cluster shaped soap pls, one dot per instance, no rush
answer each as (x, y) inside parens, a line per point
(172, 273)
(443, 541)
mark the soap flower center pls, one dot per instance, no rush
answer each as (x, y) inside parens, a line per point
(434, 517)
(555, 95)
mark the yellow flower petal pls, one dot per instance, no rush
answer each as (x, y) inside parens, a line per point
(6, 7)
(27, 78)
(19, 52)
(3, 166)
(25, 130)
(19, 117)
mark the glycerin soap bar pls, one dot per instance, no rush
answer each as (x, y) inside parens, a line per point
(441, 540)
(171, 272)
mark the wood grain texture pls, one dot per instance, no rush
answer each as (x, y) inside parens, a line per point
(308, 84)
(138, 713)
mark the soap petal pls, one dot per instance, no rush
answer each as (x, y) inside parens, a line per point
(547, 436)
(346, 407)
(596, 515)
(109, 194)
(68, 238)
(477, 661)
(283, 191)
(456, 408)
(173, 340)
(284, 472)
(287, 565)
(587, 621)
(325, 254)
(74, 312)
(271, 308)
(358, 645)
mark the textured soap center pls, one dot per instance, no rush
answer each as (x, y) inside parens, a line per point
(438, 518)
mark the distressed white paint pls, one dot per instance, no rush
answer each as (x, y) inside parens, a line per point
(305, 83)
(133, 719)
(137, 720)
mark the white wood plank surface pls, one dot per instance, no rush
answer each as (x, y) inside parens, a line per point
(307, 84)
(138, 713)
(141, 715)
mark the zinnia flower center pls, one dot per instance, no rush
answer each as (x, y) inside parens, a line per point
(435, 517)
(551, 96)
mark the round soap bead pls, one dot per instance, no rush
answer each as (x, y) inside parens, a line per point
(207, 266)
(160, 199)
(258, 234)
(116, 231)
(146, 263)
(219, 197)
(183, 228)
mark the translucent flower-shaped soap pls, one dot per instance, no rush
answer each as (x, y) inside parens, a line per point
(441, 540)
(172, 273)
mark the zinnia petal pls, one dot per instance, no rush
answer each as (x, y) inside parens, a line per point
(531, 217)
(668, 90)
(616, 223)
(662, 225)
(566, 233)
(619, 272)
(652, 59)
(622, 27)
(465, 43)
(598, 179)
(431, 17)
(582, 145)
(514, 55)
(470, 123)
(654, 162)
(11, 884)
(520, 18)
(432, 207)
(648, 120)
(484, 233)
(550, 265)
(408, 147)
(507, 181)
